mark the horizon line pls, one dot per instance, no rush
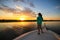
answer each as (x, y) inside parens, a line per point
(25, 20)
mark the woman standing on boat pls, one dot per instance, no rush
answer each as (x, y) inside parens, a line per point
(39, 23)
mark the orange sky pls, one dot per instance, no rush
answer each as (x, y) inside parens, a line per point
(28, 10)
(26, 15)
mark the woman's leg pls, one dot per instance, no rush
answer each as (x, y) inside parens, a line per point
(41, 28)
(38, 29)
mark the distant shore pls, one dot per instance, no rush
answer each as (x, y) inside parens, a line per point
(26, 20)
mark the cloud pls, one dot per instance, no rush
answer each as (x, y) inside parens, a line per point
(19, 10)
(31, 4)
(19, 0)
(2, 1)
(2, 6)
(19, 7)
(7, 9)
(58, 7)
(27, 12)
(25, 1)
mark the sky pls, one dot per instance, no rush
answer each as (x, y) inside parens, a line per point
(29, 9)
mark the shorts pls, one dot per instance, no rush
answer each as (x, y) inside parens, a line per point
(39, 26)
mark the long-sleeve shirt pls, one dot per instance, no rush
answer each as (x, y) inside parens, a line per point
(39, 20)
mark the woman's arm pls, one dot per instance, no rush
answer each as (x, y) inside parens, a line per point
(42, 18)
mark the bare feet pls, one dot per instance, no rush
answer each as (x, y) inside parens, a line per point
(38, 33)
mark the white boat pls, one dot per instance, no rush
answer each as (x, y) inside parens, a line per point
(47, 35)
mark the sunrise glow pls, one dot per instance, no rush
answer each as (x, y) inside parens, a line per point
(22, 18)
(28, 10)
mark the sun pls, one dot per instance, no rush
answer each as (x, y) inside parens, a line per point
(22, 18)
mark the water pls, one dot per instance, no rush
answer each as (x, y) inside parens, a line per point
(11, 30)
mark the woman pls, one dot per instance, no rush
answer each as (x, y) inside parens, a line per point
(39, 22)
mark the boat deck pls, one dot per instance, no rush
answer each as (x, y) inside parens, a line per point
(47, 35)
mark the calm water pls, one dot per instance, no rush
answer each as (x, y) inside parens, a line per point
(11, 30)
